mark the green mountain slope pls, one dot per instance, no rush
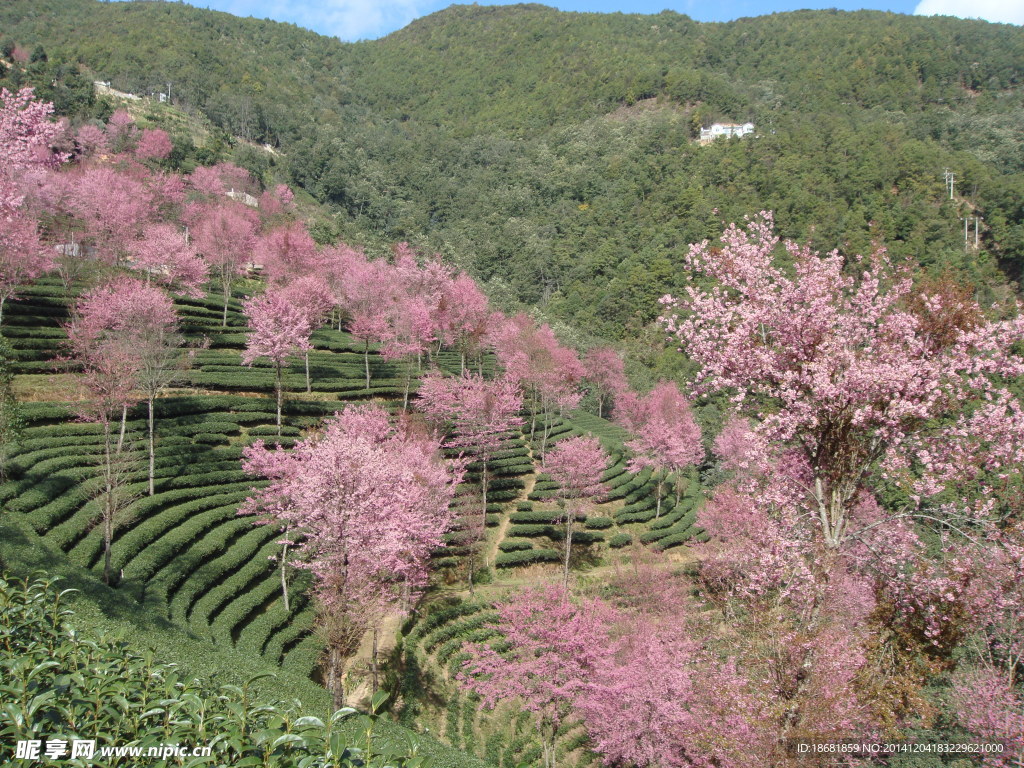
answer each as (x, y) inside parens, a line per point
(553, 153)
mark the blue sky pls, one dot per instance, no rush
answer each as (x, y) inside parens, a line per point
(367, 19)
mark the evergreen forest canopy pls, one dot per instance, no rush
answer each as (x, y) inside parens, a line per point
(552, 153)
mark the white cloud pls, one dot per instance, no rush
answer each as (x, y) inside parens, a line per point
(1003, 11)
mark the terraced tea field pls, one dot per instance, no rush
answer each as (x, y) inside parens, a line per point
(184, 553)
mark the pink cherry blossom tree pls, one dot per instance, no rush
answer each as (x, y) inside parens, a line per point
(167, 258)
(120, 333)
(312, 295)
(463, 316)
(547, 371)
(112, 206)
(278, 330)
(477, 414)
(548, 649)
(366, 500)
(26, 137)
(287, 253)
(224, 235)
(843, 376)
(831, 363)
(989, 707)
(22, 256)
(605, 371)
(363, 290)
(153, 144)
(222, 179)
(662, 697)
(667, 436)
(576, 465)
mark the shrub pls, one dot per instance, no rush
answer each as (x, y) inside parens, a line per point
(515, 545)
(115, 691)
(526, 557)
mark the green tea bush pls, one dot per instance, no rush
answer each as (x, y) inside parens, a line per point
(527, 557)
(59, 684)
(515, 545)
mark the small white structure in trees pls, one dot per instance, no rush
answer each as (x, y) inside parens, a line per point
(720, 130)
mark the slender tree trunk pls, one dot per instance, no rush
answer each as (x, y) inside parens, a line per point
(373, 659)
(463, 359)
(108, 511)
(533, 413)
(284, 575)
(225, 280)
(483, 509)
(568, 544)
(408, 384)
(124, 425)
(366, 360)
(279, 398)
(152, 448)
(309, 387)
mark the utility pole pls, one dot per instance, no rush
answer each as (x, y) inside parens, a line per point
(975, 233)
(168, 93)
(950, 178)
(966, 220)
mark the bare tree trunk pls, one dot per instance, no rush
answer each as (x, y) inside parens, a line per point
(108, 499)
(483, 509)
(152, 448)
(279, 397)
(568, 545)
(335, 680)
(124, 424)
(366, 360)
(373, 659)
(284, 577)
(227, 295)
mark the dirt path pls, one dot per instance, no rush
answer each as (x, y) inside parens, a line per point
(358, 666)
(499, 535)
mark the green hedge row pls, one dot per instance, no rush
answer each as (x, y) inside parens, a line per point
(216, 564)
(175, 541)
(527, 557)
(514, 545)
(209, 607)
(165, 582)
(456, 628)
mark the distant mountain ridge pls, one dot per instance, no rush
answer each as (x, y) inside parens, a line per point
(554, 155)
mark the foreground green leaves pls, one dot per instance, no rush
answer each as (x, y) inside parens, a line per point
(56, 684)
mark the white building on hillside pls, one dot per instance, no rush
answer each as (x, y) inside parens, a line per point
(719, 130)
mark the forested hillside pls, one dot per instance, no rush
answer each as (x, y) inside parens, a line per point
(552, 153)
